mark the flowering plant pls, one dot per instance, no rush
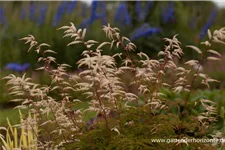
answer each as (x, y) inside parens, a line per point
(125, 119)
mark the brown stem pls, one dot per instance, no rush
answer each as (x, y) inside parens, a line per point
(159, 76)
(115, 102)
(75, 123)
(132, 63)
(104, 115)
(192, 84)
(97, 95)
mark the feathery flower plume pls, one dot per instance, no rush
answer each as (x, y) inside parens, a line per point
(209, 23)
(42, 15)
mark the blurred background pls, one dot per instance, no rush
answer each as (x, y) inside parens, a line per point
(146, 23)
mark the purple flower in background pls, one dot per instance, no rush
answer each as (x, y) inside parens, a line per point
(144, 31)
(103, 12)
(22, 14)
(71, 7)
(168, 14)
(192, 23)
(122, 15)
(60, 12)
(84, 10)
(17, 67)
(138, 10)
(94, 6)
(91, 122)
(42, 15)
(2, 16)
(147, 8)
(86, 22)
(127, 17)
(89, 21)
(13, 67)
(25, 66)
(208, 24)
(141, 28)
(32, 11)
(93, 16)
(118, 13)
(142, 12)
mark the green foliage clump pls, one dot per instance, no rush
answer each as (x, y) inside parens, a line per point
(140, 129)
(185, 13)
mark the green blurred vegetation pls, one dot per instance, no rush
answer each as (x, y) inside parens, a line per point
(12, 114)
(13, 50)
(217, 96)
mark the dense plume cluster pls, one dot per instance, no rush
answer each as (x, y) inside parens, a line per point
(101, 83)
